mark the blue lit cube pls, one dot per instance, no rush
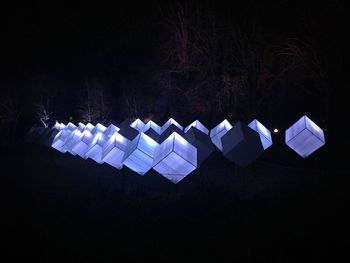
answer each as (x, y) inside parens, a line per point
(169, 123)
(218, 131)
(198, 125)
(241, 144)
(72, 140)
(264, 133)
(154, 126)
(111, 129)
(61, 137)
(114, 149)
(98, 128)
(95, 148)
(138, 125)
(82, 145)
(175, 158)
(304, 137)
(139, 154)
(201, 141)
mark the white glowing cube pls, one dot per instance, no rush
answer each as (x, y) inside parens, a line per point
(82, 146)
(95, 148)
(264, 133)
(114, 149)
(72, 140)
(154, 126)
(139, 154)
(169, 123)
(111, 129)
(61, 137)
(98, 128)
(199, 126)
(218, 131)
(138, 125)
(175, 158)
(304, 137)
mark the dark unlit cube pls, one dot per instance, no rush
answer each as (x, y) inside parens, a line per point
(241, 145)
(201, 141)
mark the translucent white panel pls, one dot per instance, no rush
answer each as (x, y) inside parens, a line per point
(175, 158)
(264, 133)
(138, 125)
(197, 124)
(168, 123)
(72, 140)
(218, 131)
(114, 149)
(98, 128)
(154, 126)
(95, 148)
(81, 147)
(111, 129)
(140, 153)
(304, 137)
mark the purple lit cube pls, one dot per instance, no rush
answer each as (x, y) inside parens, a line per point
(218, 131)
(241, 144)
(175, 158)
(304, 137)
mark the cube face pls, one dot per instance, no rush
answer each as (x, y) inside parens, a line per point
(98, 128)
(114, 149)
(72, 140)
(138, 125)
(170, 122)
(264, 133)
(61, 137)
(304, 137)
(218, 131)
(111, 129)
(198, 125)
(139, 154)
(127, 131)
(202, 142)
(175, 158)
(95, 148)
(170, 130)
(153, 134)
(82, 146)
(154, 126)
(242, 145)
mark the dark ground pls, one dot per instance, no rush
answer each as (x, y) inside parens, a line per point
(56, 205)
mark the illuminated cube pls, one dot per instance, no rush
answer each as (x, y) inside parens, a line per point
(138, 125)
(175, 158)
(264, 133)
(154, 126)
(139, 154)
(218, 131)
(304, 137)
(98, 128)
(82, 146)
(72, 140)
(61, 137)
(95, 148)
(201, 141)
(241, 144)
(114, 149)
(198, 125)
(111, 129)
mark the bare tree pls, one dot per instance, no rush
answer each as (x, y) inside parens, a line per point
(10, 113)
(94, 104)
(43, 110)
